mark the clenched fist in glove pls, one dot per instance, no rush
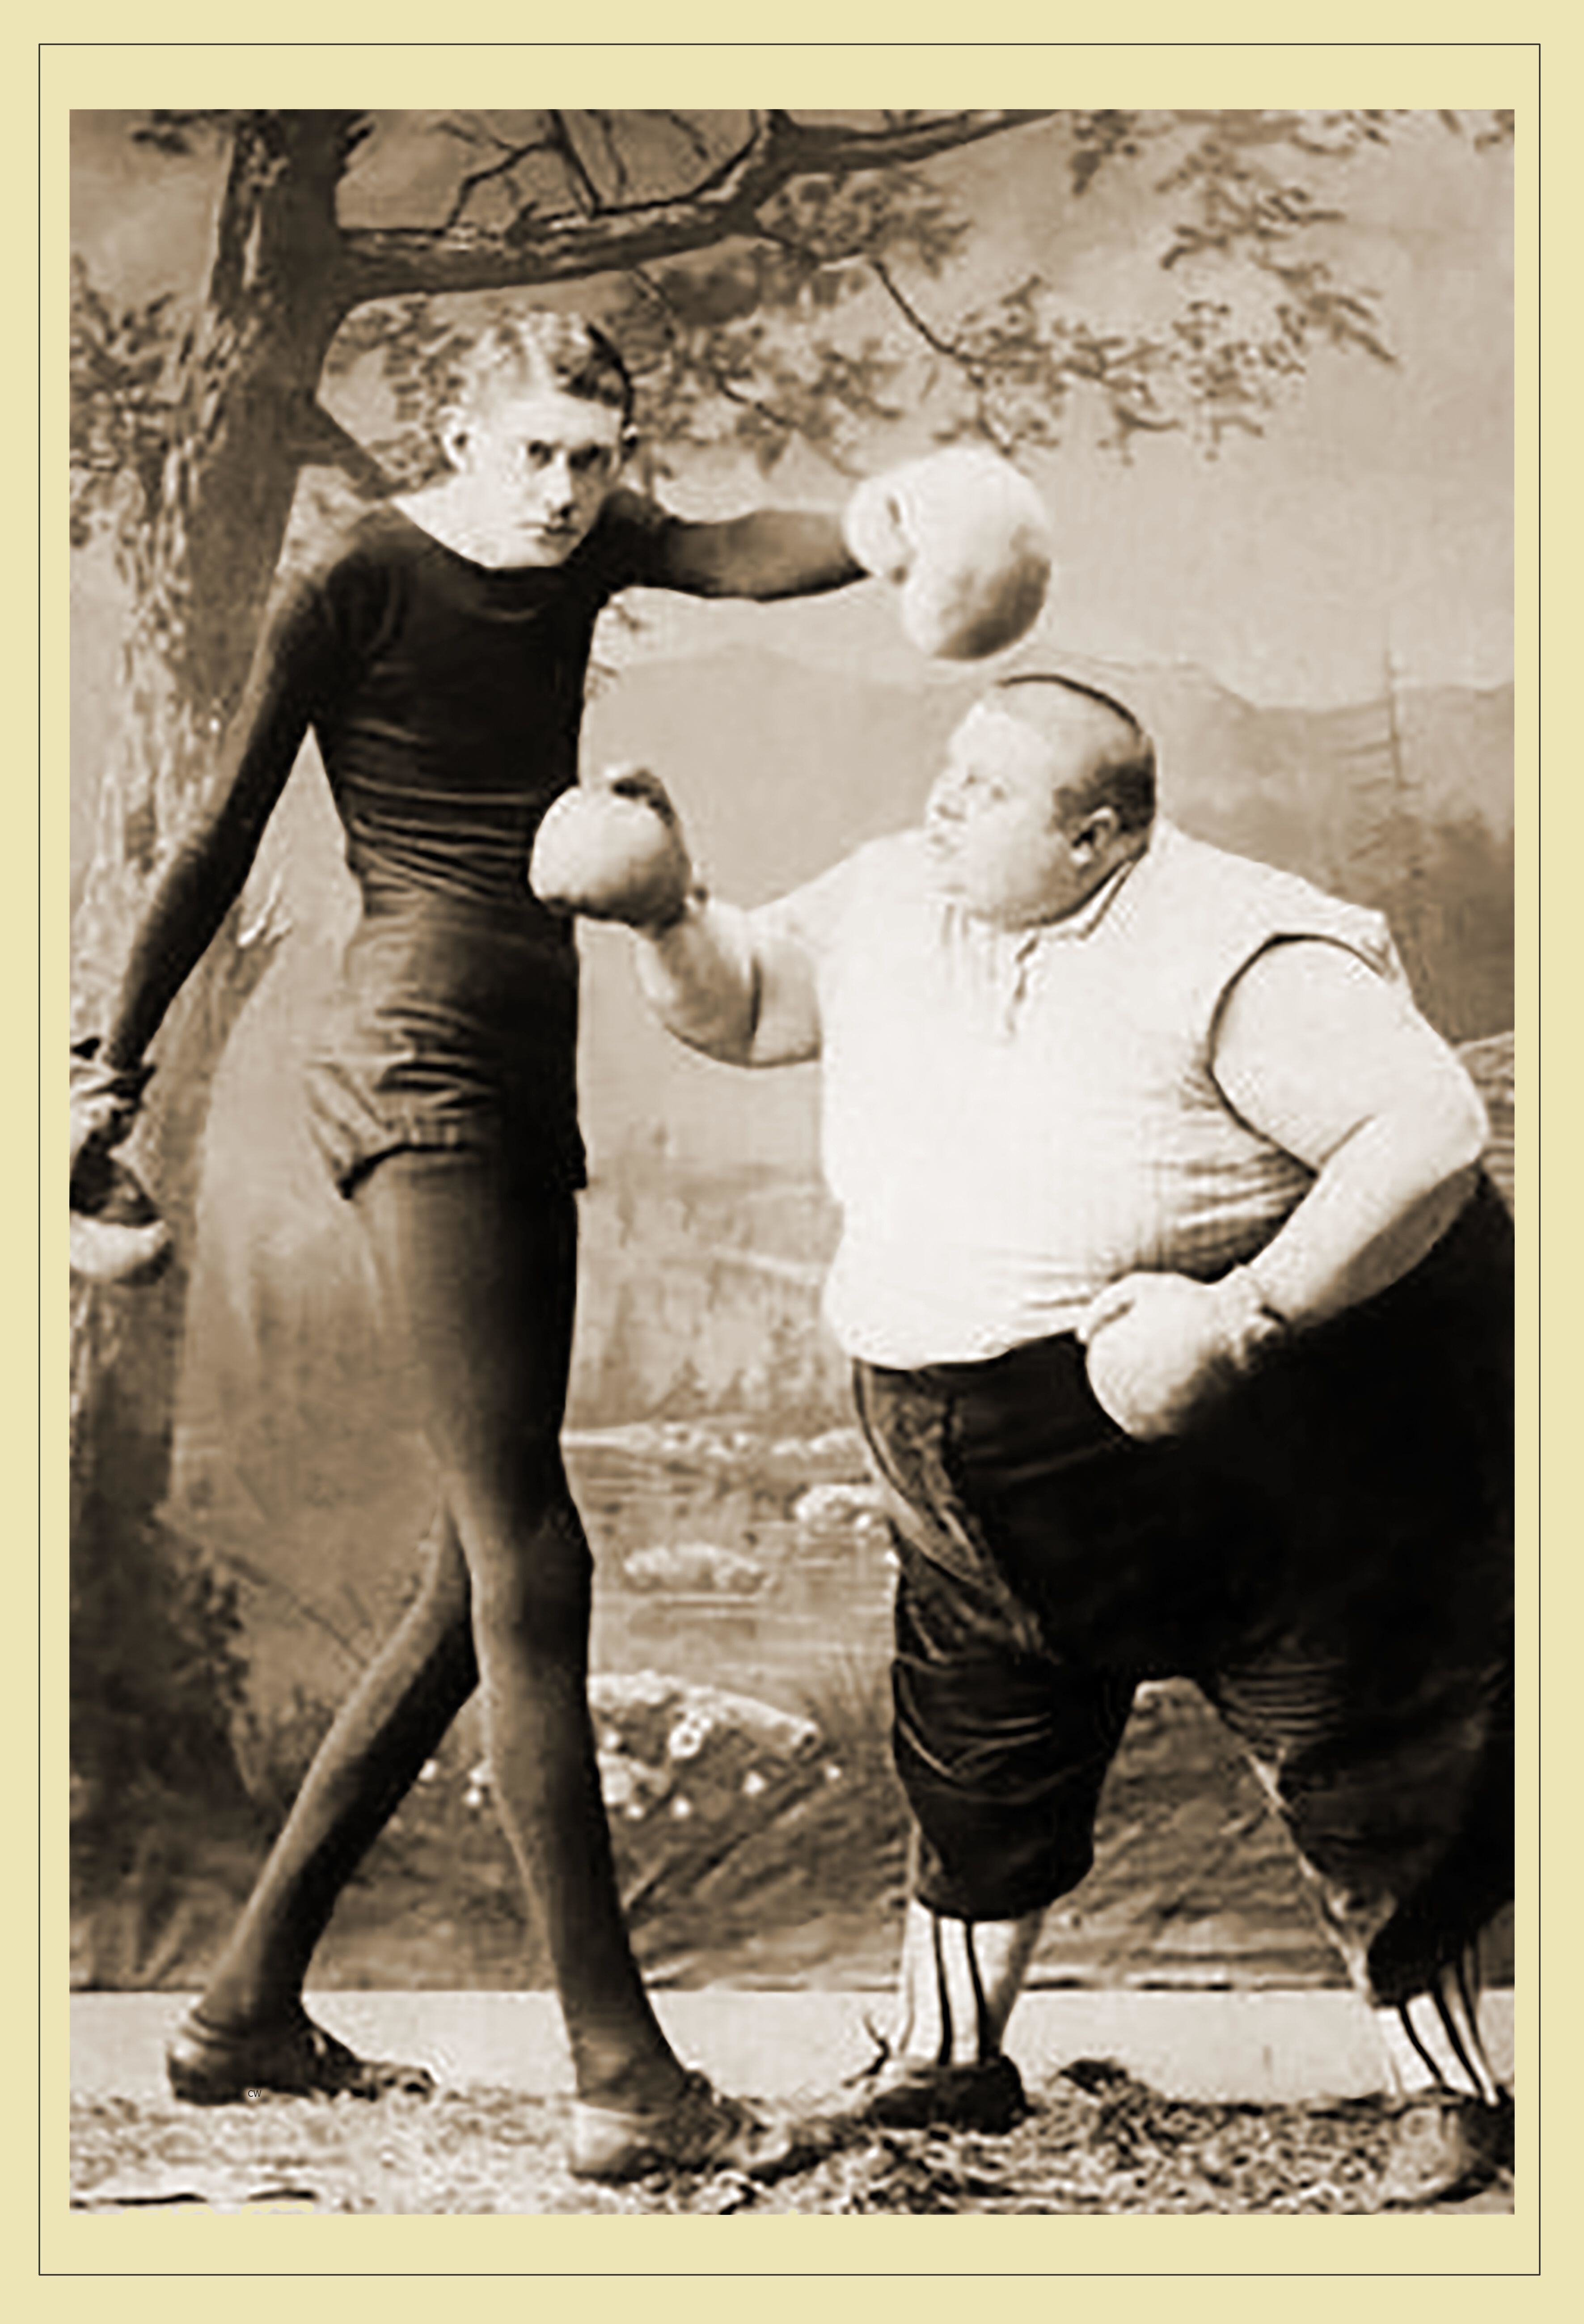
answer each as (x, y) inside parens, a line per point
(965, 538)
(117, 1235)
(1163, 1349)
(612, 848)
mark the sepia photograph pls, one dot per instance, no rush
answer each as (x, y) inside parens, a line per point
(792, 1053)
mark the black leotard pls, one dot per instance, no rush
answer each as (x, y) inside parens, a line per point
(447, 698)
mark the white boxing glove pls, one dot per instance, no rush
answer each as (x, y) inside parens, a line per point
(1163, 1349)
(966, 540)
(612, 848)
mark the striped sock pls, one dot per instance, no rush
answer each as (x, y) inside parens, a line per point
(944, 2018)
(958, 1993)
(1433, 2040)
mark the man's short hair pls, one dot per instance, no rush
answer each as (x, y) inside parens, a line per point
(542, 348)
(1122, 778)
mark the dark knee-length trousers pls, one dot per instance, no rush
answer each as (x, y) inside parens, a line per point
(1329, 1557)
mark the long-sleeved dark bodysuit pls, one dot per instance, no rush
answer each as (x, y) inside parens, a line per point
(446, 697)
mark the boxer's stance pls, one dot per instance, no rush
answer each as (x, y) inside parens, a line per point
(1181, 1319)
(439, 655)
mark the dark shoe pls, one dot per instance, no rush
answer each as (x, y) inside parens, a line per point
(698, 2130)
(1443, 2146)
(905, 2094)
(206, 2067)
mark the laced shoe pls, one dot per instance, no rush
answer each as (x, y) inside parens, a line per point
(208, 2066)
(700, 2129)
(899, 2093)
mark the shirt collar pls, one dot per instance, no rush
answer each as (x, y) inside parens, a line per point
(1022, 944)
(1073, 927)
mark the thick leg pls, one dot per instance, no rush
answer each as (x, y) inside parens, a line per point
(1378, 1708)
(1402, 1814)
(479, 1271)
(1002, 1746)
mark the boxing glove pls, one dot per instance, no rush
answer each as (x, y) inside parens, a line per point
(612, 849)
(1163, 1349)
(966, 540)
(117, 1235)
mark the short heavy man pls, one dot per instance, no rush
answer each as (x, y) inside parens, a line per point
(1181, 1318)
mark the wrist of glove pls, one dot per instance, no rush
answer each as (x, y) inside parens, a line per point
(687, 908)
(875, 529)
(1163, 1349)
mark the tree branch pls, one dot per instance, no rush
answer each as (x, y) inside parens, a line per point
(511, 155)
(975, 369)
(686, 131)
(572, 161)
(320, 440)
(915, 321)
(393, 262)
(719, 380)
(614, 158)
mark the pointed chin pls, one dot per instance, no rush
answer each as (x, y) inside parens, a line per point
(546, 544)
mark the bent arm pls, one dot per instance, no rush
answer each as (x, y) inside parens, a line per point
(208, 870)
(724, 983)
(1335, 1065)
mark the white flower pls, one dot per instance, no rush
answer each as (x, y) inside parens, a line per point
(754, 1784)
(689, 1735)
(681, 1808)
(618, 1780)
(839, 1505)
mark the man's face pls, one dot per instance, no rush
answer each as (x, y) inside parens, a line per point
(998, 846)
(543, 462)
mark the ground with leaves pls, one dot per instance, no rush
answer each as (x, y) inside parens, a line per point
(1096, 2141)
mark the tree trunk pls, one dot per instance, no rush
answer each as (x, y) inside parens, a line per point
(154, 1664)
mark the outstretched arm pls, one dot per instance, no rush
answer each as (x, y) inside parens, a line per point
(740, 986)
(960, 534)
(767, 554)
(720, 979)
(208, 870)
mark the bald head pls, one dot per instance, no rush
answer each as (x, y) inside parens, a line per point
(1105, 757)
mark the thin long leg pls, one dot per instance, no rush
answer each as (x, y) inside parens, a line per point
(480, 1273)
(391, 1725)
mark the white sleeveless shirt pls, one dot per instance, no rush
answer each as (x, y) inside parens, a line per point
(1014, 1119)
